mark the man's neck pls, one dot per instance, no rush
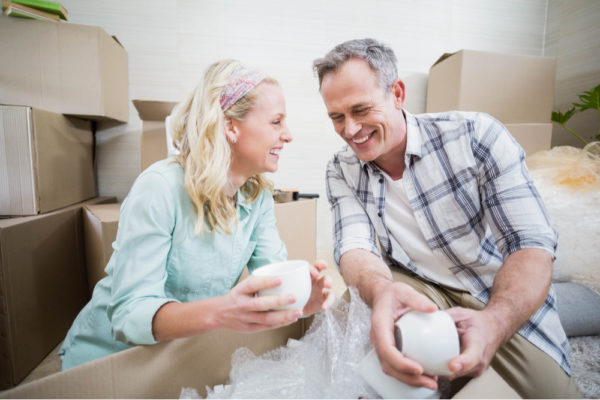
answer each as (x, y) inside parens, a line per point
(392, 163)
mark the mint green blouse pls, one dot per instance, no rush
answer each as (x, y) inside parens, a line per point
(158, 258)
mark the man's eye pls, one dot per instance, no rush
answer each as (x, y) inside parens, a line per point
(337, 118)
(362, 111)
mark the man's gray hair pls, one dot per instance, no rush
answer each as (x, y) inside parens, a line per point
(380, 57)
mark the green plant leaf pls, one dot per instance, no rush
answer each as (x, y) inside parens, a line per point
(561, 118)
(590, 100)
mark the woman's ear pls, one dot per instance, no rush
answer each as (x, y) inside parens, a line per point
(231, 130)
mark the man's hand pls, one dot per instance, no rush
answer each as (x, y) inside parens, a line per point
(390, 301)
(480, 335)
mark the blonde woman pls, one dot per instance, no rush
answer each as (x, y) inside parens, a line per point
(191, 223)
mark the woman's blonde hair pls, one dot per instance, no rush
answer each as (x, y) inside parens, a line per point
(197, 129)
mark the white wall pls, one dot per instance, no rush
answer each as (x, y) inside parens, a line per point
(573, 37)
(171, 42)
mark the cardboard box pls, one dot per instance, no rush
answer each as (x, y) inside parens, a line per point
(513, 88)
(162, 370)
(100, 223)
(532, 137)
(43, 285)
(63, 67)
(154, 139)
(296, 221)
(49, 161)
(158, 371)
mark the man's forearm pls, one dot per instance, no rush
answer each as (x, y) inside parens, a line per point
(365, 271)
(520, 288)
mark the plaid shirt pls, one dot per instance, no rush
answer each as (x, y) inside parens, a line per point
(473, 199)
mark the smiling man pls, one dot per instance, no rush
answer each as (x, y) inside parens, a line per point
(438, 211)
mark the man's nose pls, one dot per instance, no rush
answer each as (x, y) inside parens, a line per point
(351, 127)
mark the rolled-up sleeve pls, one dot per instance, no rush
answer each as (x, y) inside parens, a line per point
(352, 228)
(139, 266)
(513, 207)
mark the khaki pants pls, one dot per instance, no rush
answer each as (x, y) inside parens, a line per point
(527, 369)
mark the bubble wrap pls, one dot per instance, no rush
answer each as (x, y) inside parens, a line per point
(322, 364)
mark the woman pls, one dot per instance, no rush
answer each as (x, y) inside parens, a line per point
(191, 223)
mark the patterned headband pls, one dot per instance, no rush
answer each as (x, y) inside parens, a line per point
(240, 82)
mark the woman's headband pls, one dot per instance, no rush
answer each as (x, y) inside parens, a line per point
(240, 82)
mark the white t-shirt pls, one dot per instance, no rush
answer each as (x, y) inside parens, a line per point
(402, 225)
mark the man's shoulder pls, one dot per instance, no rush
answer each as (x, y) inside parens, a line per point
(459, 117)
(345, 156)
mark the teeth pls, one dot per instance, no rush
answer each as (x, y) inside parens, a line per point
(275, 152)
(360, 141)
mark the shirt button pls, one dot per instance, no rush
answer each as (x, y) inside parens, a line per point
(380, 180)
(379, 213)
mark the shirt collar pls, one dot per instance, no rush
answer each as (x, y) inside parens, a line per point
(413, 142)
(242, 204)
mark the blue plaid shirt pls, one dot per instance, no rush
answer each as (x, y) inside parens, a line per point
(473, 200)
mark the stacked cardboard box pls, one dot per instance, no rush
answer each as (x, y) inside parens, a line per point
(55, 78)
(518, 90)
(154, 139)
(296, 222)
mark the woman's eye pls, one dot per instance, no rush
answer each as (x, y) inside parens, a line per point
(277, 122)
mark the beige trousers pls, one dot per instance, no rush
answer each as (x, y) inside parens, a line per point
(527, 369)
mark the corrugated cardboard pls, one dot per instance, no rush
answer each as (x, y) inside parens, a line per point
(47, 161)
(532, 137)
(100, 223)
(158, 371)
(63, 67)
(43, 285)
(154, 139)
(513, 88)
(296, 221)
(297, 225)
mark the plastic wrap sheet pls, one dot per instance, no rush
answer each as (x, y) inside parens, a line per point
(568, 180)
(322, 364)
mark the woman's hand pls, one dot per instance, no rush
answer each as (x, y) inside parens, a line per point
(321, 296)
(242, 311)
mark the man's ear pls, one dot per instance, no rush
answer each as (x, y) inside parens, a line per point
(399, 93)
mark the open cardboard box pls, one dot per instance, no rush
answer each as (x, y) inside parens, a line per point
(42, 286)
(63, 67)
(296, 222)
(162, 370)
(157, 371)
(154, 138)
(511, 87)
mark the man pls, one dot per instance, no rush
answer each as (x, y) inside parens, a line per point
(438, 210)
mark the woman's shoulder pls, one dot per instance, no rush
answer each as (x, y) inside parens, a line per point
(164, 172)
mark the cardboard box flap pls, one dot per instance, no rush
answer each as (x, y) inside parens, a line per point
(443, 57)
(153, 110)
(158, 371)
(117, 40)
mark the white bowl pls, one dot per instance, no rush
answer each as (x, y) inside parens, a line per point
(295, 279)
(388, 387)
(431, 339)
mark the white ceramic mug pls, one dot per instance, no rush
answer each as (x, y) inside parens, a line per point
(431, 339)
(295, 280)
(388, 387)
